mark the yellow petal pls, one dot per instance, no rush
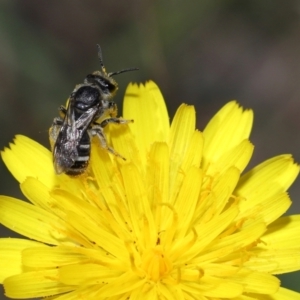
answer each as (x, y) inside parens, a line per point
(228, 128)
(168, 292)
(267, 179)
(123, 143)
(206, 233)
(227, 245)
(26, 158)
(275, 261)
(182, 130)
(145, 105)
(103, 166)
(256, 282)
(283, 233)
(238, 157)
(36, 192)
(51, 257)
(81, 274)
(158, 175)
(213, 287)
(11, 256)
(181, 136)
(107, 241)
(122, 284)
(281, 294)
(193, 154)
(35, 284)
(138, 205)
(31, 221)
(187, 200)
(269, 209)
(223, 188)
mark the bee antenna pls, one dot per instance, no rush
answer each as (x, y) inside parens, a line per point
(100, 55)
(122, 71)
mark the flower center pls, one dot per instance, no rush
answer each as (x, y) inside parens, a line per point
(156, 263)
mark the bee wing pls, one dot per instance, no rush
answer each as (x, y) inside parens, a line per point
(65, 148)
(85, 120)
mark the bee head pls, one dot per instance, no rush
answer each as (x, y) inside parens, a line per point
(103, 79)
(106, 84)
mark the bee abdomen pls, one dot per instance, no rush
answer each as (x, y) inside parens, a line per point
(81, 162)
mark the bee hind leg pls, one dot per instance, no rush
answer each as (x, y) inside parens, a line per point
(97, 130)
(114, 120)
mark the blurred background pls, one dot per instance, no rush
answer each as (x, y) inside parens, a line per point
(203, 53)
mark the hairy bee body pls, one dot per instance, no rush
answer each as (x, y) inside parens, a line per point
(89, 109)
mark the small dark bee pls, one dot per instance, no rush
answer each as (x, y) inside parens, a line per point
(89, 109)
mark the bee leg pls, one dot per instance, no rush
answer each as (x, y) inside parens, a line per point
(114, 120)
(98, 131)
(57, 121)
(54, 131)
(62, 111)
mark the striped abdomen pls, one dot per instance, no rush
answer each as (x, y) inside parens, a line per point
(82, 161)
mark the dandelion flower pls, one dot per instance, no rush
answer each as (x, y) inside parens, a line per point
(177, 220)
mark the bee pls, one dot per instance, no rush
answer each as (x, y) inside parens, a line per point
(89, 109)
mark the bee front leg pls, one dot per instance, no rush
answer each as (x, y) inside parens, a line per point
(97, 130)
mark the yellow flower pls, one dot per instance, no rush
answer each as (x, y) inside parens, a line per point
(176, 220)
